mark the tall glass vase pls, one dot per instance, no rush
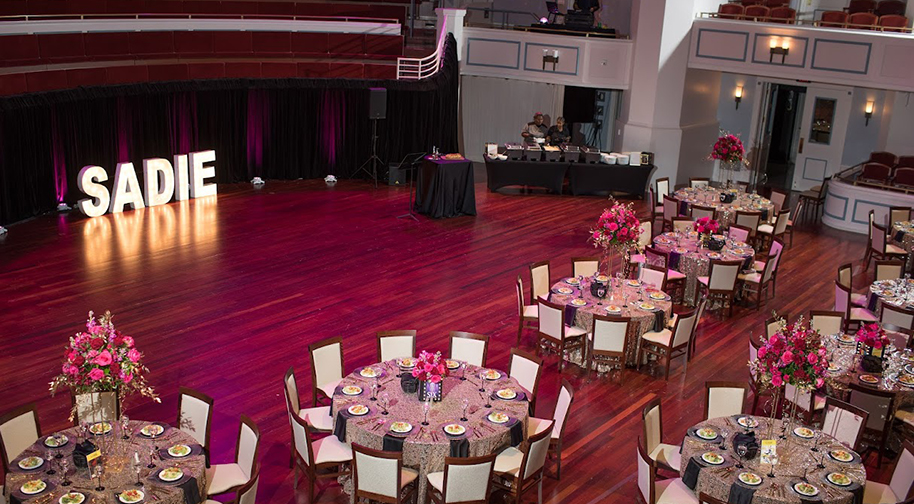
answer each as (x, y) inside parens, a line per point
(608, 261)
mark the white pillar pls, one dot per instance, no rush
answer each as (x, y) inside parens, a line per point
(451, 20)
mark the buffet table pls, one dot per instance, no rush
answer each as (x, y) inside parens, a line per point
(445, 188)
(604, 178)
(547, 174)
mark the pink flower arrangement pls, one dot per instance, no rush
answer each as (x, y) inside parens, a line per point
(430, 367)
(793, 355)
(706, 225)
(728, 148)
(872, 335)
(102, 359)
(618, 227)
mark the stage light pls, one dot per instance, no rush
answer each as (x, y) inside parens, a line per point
(3, 231)
(868, 111)
(63, 207)
(544, 20)
(257, 181)
(738, 96)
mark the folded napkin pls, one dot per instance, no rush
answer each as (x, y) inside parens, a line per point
(659, 320)
(339, 428)
(517, 433)
(683, 208)
(899, 236)
(409, 384)
(460, 447)
(674, 260)
(393, 443)
(764, 214)
(690, 477)
(191, 491)
(570, 312)
(749, 440)
(741, 494)
(871, 302)
(748, 262)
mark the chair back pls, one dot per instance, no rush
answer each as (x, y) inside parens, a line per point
(652, 424)
(862, 20)
(663, 189)
(845, 273)
(396, 344)
(897, 316)
(833, 19)
(780, 223)
(890, 8)
(463, 477)
(551, 320)
(782, 15)
(757, 13)
(803, 397)
(904, 176)
(562, 407)
(773, 324)
(877, 238)
(195, 412)
(684, 328)
(903, 475)
(19, 429)
(899, 214)
(96, 407)
(893, 22)
(828, 323)
(777, 246)
(656, 257)
(646, 235)
(585, 266)
(878, 403)
(376, 472)
(775, 3)
(882, 157)
(723, 399)
(749, 220)
(682, 224)
(609, 333)
(326, 361)
(778, 199)
(301, 438)
(863, 6)
(670, 208)
(723, 275)
(248, 446)
(699, 182)
(469, 347)
(844, 422)
(653, 275)
(730, 11)
(842, 300)
(535, 458)
(739, 233)
(889, 270)
(519, 286)
(770, 263)
(699, 211)
(704, 498)
(753, 355)
(526, 368)
(647, 474)
(876, 172)
(247, 494)
(905, 161)
(540, 280)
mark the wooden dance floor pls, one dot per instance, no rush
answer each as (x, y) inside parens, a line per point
(224, 294)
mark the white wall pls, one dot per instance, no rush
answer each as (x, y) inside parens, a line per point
(699, 123)
(862, 139)
(495, 110)
(901, 126)
(737, 120)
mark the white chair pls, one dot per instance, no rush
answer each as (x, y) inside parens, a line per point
(852, 314)
(317, 417)
(95, 407)
(553, 331)
(664, 455)
(724, 398)
(778, 228)
(526, 368)
(889, 270)
(662, 189)
(670, 210)
(222, 478)
(19, 429)
(808, 403)
(644, 240)
(778, 199)
(540, 280)
(527, 315)
(699, 212)
(844, 422)
(880, 404)
(899, 487)
(757, 282)
(608, 342)
(666, 343)
(739, 233)
(326, 368)
(682, 224)
(699, 182)
(324, 458)
(665, 491)
(585, 266)
(380, 475)
(773, 324)
(828, 323)
(749, 220)
(247, 494)
(845, 274)
(517, 472)
(721, 283)
(461, 481)
(396, 345)
(898, 214)
(879, 249)
(897, 316)
(654, 276)
(469, 347)
(559, 421)
(195, 416)
(776, 249)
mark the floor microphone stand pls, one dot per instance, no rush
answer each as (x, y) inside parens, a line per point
(417, 158)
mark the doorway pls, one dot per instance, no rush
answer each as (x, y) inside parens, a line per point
(781, 134)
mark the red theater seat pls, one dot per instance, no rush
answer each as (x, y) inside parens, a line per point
(905, 161)
(730, 11)
(833, 19)
(875, 172)
(346, 44)
(757, 13)
(100, 46)
(904, 177)
(862, 21)
(384, 45)
(882, 157)
(306, 44)
(893, 23)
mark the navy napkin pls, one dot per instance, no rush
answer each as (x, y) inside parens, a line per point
(683, 208)
(899, 236)
(871, 304)
(460, 447)
(741, 494)
(659, 320)
(339, 428)
(674, 260)
(393, 443)
(191, 491)
(409, 384)
(749, 440)
(764, 214)
(690, 477)
(517, 433)
(570, 312)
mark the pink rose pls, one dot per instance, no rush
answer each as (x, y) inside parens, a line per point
(820, 382)
(104, 358)
(435, 379)
(613, 226)
(129, 341)
(92, 354)
(761, 352)
(776, 381)
(128, 378)
(787, 357)
(134, 355)
(96, 374)
(812, 358)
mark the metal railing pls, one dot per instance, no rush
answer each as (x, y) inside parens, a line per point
(815, 23)
(422, 68)
(489, 13)
(851, 176)
(182, 15)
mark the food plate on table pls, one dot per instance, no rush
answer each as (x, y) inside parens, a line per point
(658, 295)
(170, 474)
(572, 281)
(32, 487)
(179, 450)
(869, 379)
(906, 380)
(406, 362)
(602, 278)
(714, 255)
(805, 489)
(907, 356)
(131, 496)
(454, 429)
(401, 427)
(152, 430)
(506, 394)
(804, 432)
(680, 250)
(452, 364)
(100, 428)
(351, 390)
(834, 368)
(750, 478)
(369, 372)
(747, 422)
(564, 290)
(647, 307)
(358, 409)
(613, 308)
(845, 339)
(31, 463)
(632, 282)
(498, 417)
(491, 374)
(841, 455)
(56, 440)
(706, 433)
(663, 240)
(712, 458)
(837, 478)
(579, 302)
(72, 498)
(909, 368)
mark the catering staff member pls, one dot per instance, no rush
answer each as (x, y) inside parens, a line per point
(590, 6)
(558, 134)
(535, 130)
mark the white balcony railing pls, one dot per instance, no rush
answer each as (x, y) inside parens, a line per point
(422, 68)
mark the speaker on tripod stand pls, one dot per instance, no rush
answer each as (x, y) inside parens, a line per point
(377, 109)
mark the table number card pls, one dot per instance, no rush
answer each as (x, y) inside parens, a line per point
(769, 448)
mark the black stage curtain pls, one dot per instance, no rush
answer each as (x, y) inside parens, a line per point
(272, 128)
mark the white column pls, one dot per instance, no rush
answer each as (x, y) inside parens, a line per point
(451, 20)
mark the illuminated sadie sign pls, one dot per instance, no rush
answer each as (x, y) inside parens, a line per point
(162, 182)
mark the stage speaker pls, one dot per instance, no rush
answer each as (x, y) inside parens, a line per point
(579, 106)
(396, 176)
(377, 103)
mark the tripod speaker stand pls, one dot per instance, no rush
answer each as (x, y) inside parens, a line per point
(370, 166)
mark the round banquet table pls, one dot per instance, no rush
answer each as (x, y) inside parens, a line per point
(903, 235)
(726, 212)
(795, 456)
(689, 258)
(653, 317)
(425, 447)
(845, 369)
(118, 474)
(898, 292)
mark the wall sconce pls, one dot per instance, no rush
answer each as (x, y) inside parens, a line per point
(550, 57)
(868, 111)
(782, 49)
(738, 96)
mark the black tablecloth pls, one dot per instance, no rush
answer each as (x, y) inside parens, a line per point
(601, 178)
(445, 188)
(547, 174)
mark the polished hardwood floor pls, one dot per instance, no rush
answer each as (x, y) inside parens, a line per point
(224, 294)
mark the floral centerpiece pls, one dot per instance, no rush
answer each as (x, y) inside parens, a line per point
(617, 230)
(430, 370)
(729, 150)
(705, 227)
(102, 359)
(871, 342)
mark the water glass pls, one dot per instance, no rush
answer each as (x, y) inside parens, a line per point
(466, 404)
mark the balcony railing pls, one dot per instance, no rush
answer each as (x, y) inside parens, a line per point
(422, 68)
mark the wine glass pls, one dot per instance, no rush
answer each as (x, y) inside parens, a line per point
(137, 467)
(50, 459)
(488, 395)
(98, 478)
(815, 437)
(773, 459)
(64, 467)
(385, 401)
(374, 391)
(482, 380)
(125, 426)
(425, 407)
(741, 450)
(152, 454)
(723, 443)
(463, 371)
